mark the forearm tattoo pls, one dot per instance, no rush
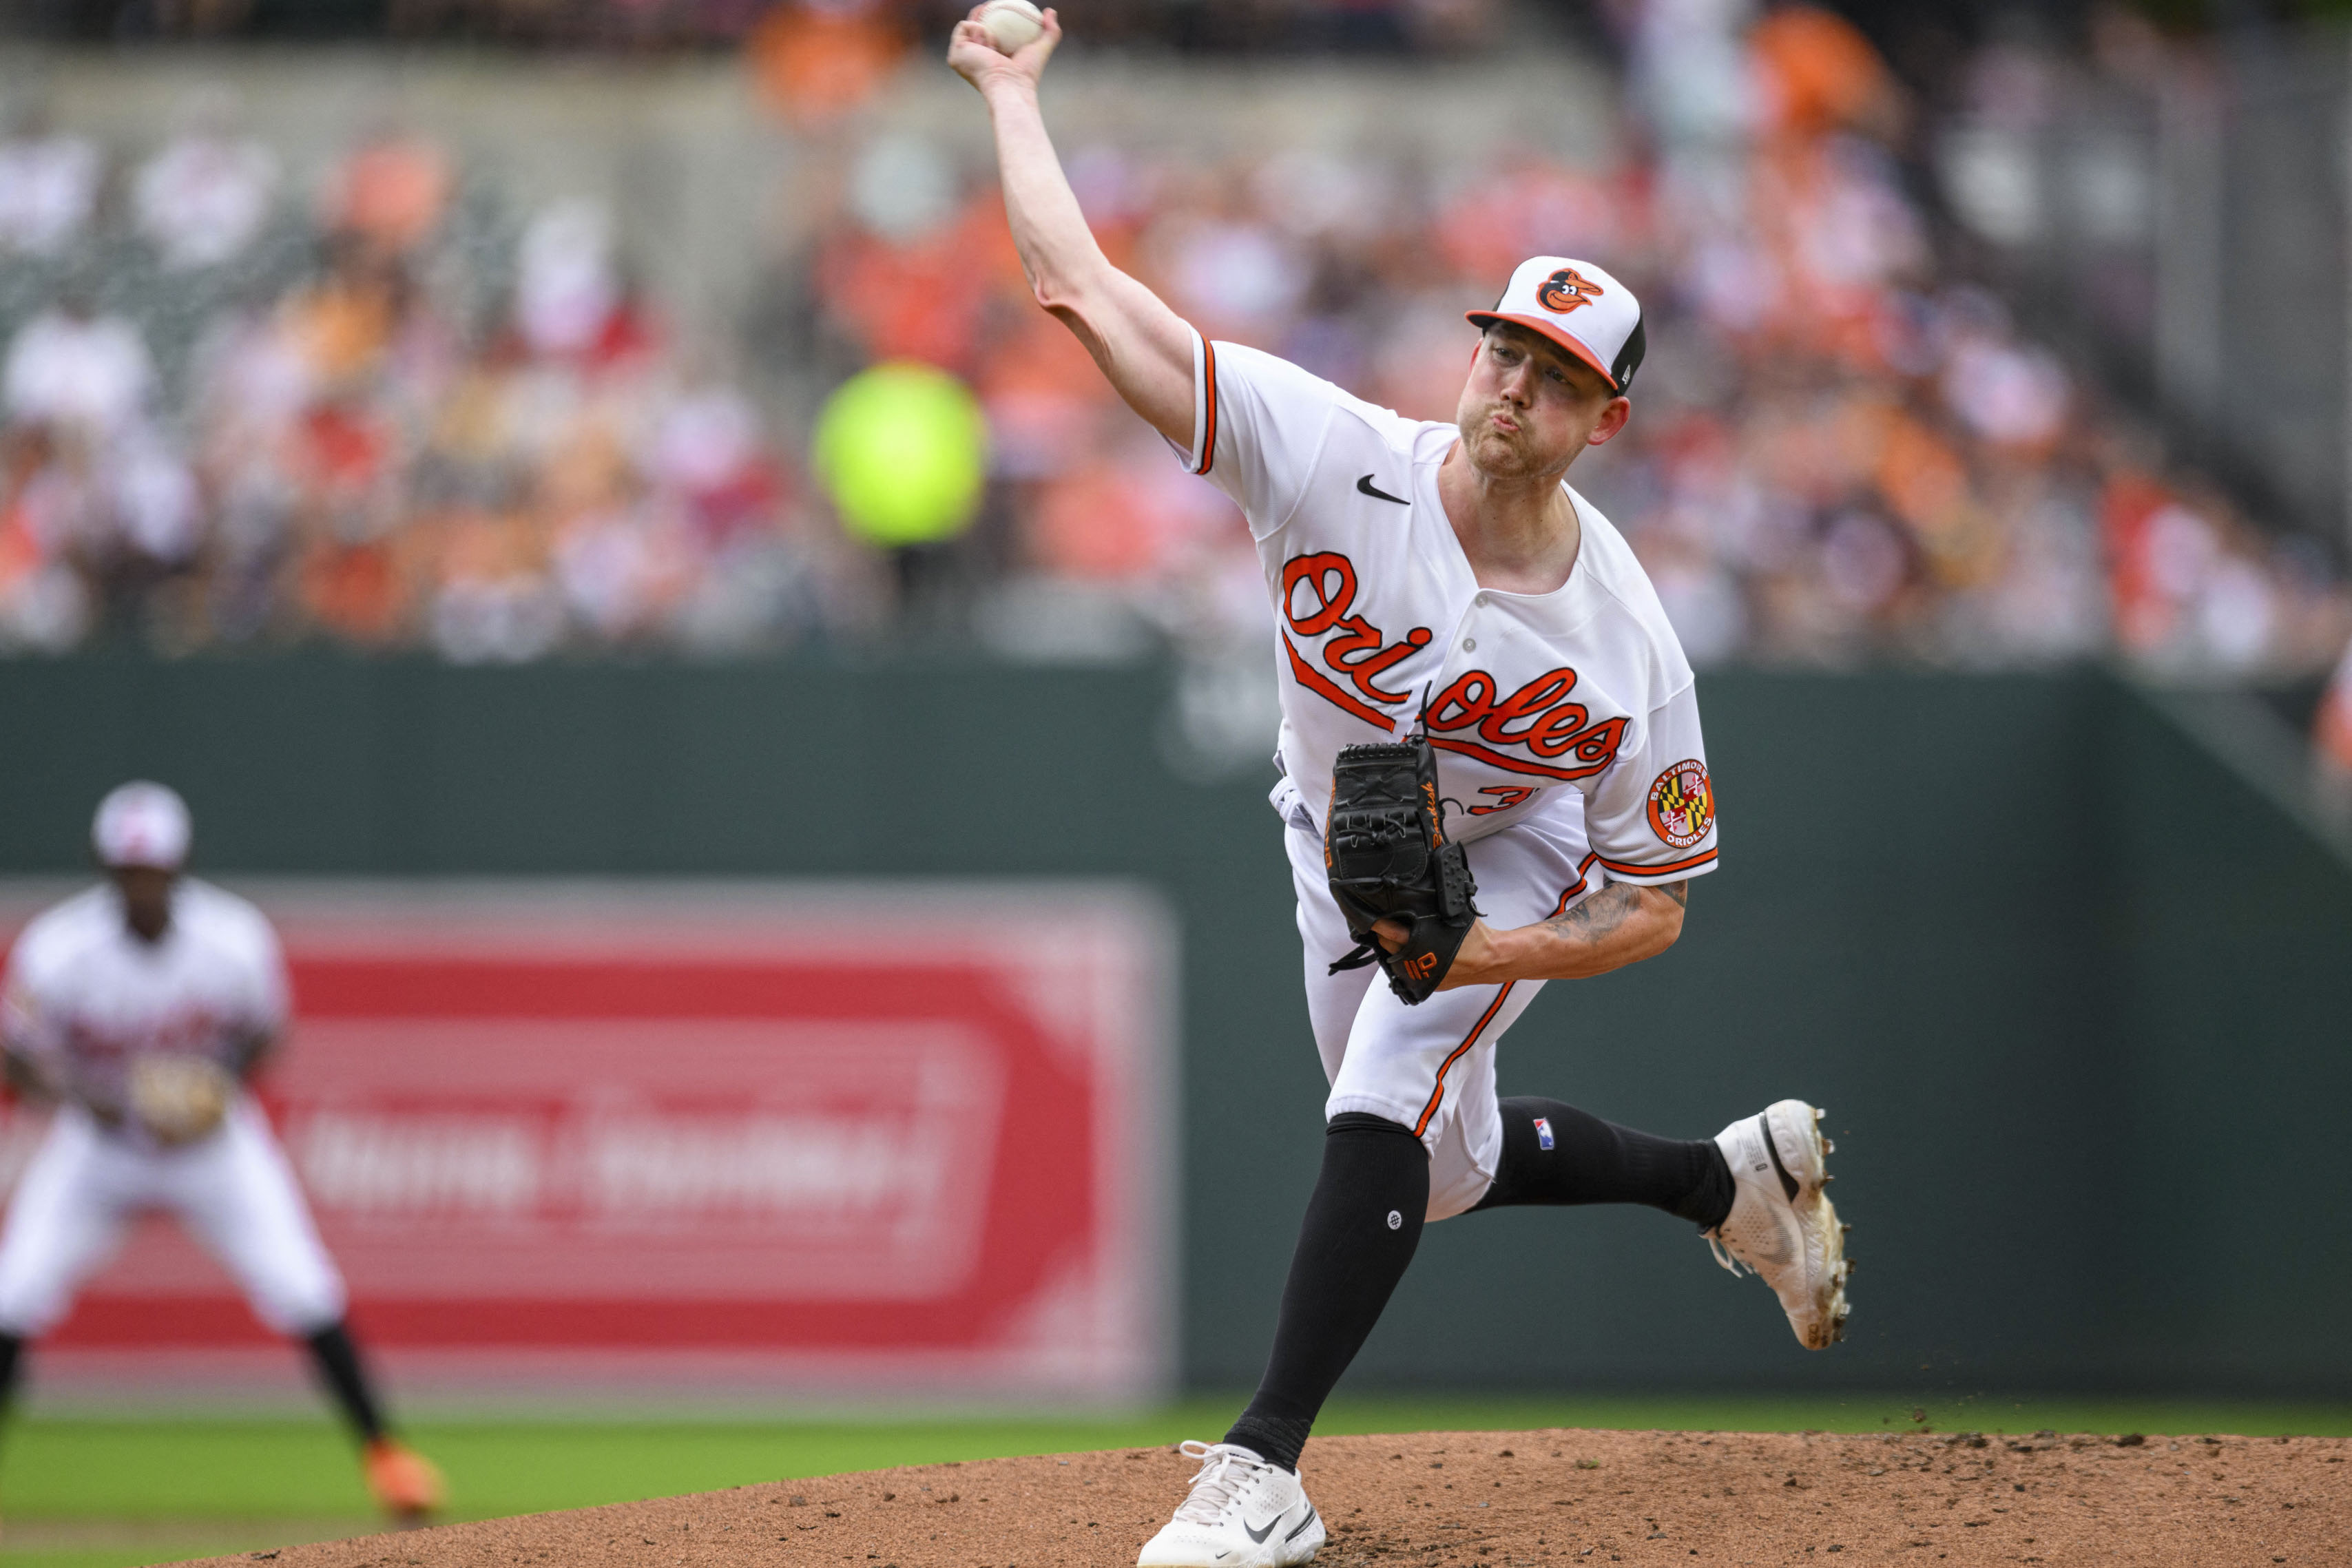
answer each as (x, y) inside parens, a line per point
(1598, 917)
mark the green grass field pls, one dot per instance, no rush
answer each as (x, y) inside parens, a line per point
(108, 1493)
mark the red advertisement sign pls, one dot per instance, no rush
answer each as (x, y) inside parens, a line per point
(704, 1139)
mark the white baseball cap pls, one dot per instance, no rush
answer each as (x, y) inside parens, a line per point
(1578, 307)
(145, 824)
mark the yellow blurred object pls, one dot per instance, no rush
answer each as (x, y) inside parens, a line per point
(902, 449)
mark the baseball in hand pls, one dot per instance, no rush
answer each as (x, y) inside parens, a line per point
(1012, 25)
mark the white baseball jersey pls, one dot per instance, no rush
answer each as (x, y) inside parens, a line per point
(84, 995)
(1529, 695)
(1565, 723)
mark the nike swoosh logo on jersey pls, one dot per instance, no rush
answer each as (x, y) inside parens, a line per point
(1365, 486)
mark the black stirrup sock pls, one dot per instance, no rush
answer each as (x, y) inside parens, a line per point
(1360, 1230)
(1556, 1154)
(339, 1370)
(12, 1356)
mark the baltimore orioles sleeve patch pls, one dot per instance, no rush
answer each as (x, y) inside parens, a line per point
(1682, 804)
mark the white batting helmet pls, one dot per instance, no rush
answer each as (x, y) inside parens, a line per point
(145, 824)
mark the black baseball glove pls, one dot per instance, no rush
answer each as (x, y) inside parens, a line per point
(1387, 857)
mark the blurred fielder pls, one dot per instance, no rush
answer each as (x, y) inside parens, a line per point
(142, 1007)
(1442, 593)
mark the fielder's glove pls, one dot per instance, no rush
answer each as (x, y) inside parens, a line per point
(1388, 858)
(179, 1098)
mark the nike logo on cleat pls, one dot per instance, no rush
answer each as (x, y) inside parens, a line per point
(1258, 1536)
(1365, 487)
(1787, 1182)
(1310, 1510)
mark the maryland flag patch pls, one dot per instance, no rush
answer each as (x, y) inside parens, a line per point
(1682, 804)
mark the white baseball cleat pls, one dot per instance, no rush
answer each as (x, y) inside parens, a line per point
(1242, 1513)
(1782, 1224)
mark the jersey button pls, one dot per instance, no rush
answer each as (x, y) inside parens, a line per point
(1469, 644)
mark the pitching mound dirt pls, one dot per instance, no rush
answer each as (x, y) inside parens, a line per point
(1498, 1499)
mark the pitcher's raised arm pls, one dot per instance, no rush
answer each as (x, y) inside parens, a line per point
(1143, 347)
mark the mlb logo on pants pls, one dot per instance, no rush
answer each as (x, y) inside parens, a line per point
(1543, 1132)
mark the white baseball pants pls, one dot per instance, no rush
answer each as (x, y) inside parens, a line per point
(1432, 1067)
(233, 1190)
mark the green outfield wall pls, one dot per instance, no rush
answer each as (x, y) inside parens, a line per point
(2075, 989)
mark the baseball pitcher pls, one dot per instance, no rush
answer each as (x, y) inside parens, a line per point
(1494, 776)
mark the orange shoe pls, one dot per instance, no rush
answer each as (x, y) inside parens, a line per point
(405, 1484)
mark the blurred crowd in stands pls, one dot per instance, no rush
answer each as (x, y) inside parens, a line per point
(390, 415)
(1252, 26)
(366, 414)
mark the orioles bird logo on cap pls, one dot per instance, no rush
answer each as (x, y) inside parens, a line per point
(1565, 290)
